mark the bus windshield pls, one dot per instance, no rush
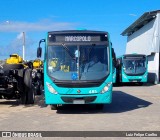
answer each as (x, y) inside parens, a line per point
(134, 66)
(78, 62)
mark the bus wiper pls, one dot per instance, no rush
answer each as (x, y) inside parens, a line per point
(68, 51)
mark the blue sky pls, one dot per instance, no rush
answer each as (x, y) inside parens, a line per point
(36, 17)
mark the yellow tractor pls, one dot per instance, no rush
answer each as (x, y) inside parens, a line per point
(37, 63)
(16, 80)
(37, 75)
(14, 59)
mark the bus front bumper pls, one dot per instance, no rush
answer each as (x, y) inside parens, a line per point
(127, 78)
(99, 98)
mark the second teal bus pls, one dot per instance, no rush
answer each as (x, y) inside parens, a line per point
(132, 68)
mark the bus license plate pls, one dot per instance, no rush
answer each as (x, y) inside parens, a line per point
(78, 102)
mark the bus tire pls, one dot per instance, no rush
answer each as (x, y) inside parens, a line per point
(29, 89)
(99, 106)
(54, 107)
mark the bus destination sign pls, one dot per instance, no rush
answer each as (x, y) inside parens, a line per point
(77, 38)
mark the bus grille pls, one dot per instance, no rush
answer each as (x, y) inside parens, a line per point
(135, 80)
(71, 99)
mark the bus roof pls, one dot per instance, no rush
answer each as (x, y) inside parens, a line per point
(77, 31)
(131, 55)
(77, 36)
(134, 55)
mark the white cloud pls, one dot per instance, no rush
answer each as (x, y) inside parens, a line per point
(134, 15)
(44, 25)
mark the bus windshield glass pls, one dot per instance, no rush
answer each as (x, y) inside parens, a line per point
(78, 62)
(134, 66)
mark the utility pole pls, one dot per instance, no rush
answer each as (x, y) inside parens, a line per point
(24, 45)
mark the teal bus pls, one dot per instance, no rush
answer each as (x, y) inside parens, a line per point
(77, 68)
(114, 65)
(132, 68)
(114, 74)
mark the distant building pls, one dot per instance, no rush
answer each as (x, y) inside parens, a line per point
(143, 37)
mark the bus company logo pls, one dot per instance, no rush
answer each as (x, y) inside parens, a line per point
(77, 38)
(6, 134)
(78, 91)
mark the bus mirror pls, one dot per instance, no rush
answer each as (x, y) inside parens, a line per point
(113, 56)
(118, 62)
(39, 49)
(39, 52)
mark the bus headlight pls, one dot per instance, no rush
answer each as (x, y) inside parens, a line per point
(114, 76)
(106, 88)
(50, 88)
(145, 76)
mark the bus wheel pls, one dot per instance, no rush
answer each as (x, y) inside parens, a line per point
(99, 106)
(54, 107)
(29, 89)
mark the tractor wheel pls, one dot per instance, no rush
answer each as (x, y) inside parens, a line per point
(29, 91)
(23, 98)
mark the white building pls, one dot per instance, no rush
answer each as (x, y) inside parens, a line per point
(143, 37)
